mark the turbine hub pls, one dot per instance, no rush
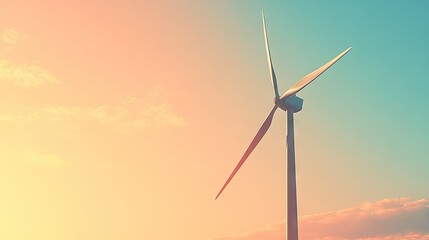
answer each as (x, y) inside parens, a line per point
(291, 103)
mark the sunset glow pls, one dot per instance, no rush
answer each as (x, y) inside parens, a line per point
(122, 120)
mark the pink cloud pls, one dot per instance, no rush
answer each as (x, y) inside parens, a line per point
(396, 218)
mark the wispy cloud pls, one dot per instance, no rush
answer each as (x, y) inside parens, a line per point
(25, 75)
(396, 218)
(162, 114)
(50, 160)
(31, 157)
(129, 113)
(12, 37)
(21, 74)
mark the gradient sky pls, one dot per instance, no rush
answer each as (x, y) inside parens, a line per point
(122, 120)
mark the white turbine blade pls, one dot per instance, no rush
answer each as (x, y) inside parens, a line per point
(270, 64)
(264, 128)
(310, 77)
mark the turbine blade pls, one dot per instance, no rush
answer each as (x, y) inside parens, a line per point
(264, 128)
(270, 64)
(310, 77)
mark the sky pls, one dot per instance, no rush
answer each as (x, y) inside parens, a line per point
(122, 119)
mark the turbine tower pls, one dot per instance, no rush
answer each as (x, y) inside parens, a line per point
(290, 103)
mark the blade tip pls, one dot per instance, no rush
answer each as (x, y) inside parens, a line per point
(217, 196)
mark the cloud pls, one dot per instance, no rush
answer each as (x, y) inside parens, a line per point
(130, 113)
(30, 157)
(396, 218)
(25, 75)
(383, 218)
(162, 114)
(12, 37)
(146, 116)
(44, 159)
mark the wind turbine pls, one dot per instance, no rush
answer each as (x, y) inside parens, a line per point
(290, 103)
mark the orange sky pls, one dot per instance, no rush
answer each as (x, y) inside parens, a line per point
(101, 125)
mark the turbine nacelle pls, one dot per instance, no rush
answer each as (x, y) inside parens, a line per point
(291, 103)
